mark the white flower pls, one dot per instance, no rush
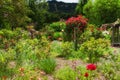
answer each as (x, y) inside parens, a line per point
(105, 32)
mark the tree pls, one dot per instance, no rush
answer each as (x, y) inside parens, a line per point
(75, 25)
(20, 14)
(40, 12)
(79, 8)
(102, 11)
(13, 13)
(89, 12)
(5, 8)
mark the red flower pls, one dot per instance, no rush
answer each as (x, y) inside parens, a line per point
(86, 74)
(78, 21)
(91, 67)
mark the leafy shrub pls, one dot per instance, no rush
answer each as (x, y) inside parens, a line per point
(77, 55)
(43, 48)
(5, 58)
(109, 66)
(94, 49)
(66, 74)
(7, 33)
(48, 31)
(31, 50)
(55, 48)
(47, 65)
(25, 51)
(67, 49)
(58, 26)
(90, 31)
(110, 69)
(57, 35)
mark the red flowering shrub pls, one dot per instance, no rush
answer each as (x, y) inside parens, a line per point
(86, 74)
(78, 21)
(91, 67)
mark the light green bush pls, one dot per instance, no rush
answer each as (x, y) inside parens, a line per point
(67, 49)
(94, 49)
(65, 73)
(55, 48)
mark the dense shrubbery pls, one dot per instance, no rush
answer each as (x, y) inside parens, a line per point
(21, 52)
(94, 49)
(33, 55)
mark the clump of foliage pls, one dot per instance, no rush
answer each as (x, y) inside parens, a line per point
(15, 14)
(92, 31)
(58, 26)
(97, 14)
(54, 30)
(47, 65)
(94, 49)
(67, 49)
(66, 74)
(55, 48)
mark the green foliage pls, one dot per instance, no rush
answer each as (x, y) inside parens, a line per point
(91, 31)
(55, 48)
(66, 74)
(58, 26)
(26, 53)
(109, 66)
(67, 49)
(57, 35)
(32, 50)
(55, 30)
(98, 14)
(40, 12)
(79, 8)
(94, 49)
(44, 48)
(48, 65)
(14, 13)
(5, 58)
(89, 10)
